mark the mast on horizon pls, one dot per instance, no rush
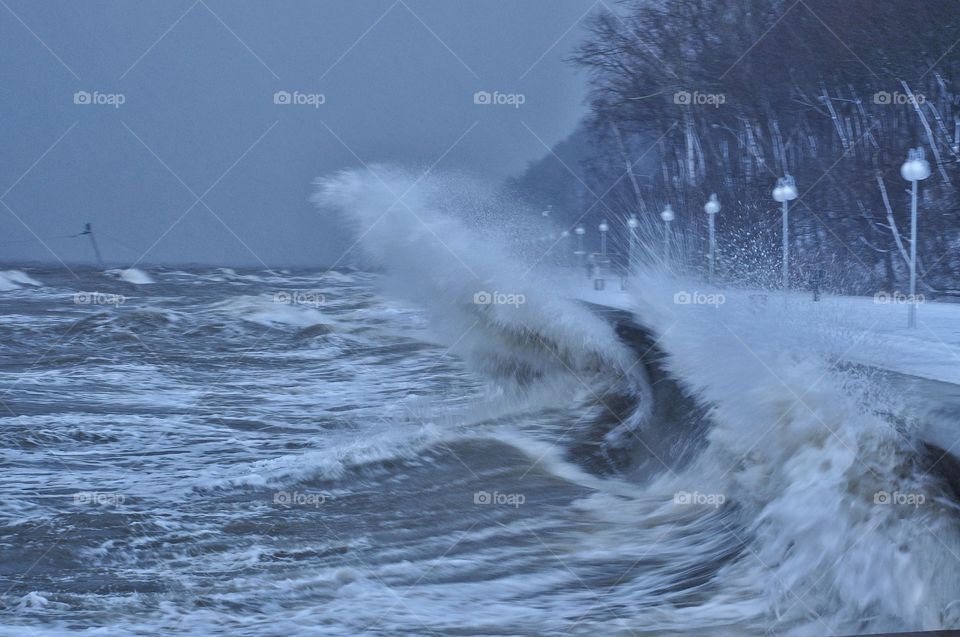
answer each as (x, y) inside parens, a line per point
(88, 230)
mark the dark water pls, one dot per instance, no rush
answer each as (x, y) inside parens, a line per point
(251, 453)
(200, 455)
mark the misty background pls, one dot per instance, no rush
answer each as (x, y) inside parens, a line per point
(200, 165)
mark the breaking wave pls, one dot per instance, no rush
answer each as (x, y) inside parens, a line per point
(754, 470)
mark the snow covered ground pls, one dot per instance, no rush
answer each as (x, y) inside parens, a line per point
(866, 330)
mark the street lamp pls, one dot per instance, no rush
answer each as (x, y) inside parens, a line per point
(579, 231)
(603, 227)
(784, 192)
(914, 170)
(667, 216)
(632, 223)
(712, 207)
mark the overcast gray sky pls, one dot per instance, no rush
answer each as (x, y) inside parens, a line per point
(197, 80)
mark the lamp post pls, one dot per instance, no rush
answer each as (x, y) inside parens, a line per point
(784, 192)
(603, 227)
(667, 216)
(632, 223)
(914, 170)
(712, 207)
(579, 231)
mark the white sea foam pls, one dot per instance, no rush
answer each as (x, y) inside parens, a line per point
(13, 279)
(796, 448)
(135, 276)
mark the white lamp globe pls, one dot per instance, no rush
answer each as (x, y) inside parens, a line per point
(667, 214)
(580, 230)
(785, 190)
(603, 226)
(712, 206)
(916, 168)
(633, 222)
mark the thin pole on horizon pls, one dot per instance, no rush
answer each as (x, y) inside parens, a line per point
(914, 170)
(632, 223)
(88, 230)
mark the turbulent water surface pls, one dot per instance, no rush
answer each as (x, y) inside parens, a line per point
(257, 453)
(209, 451)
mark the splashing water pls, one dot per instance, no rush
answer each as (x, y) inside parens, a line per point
(794, 457)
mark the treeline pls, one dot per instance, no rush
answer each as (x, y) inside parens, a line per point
(727, 95)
